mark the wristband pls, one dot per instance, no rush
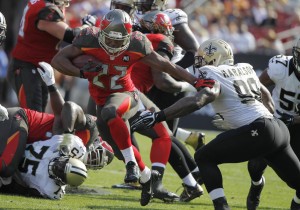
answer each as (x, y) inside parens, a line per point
(160, 116)
(52, 88)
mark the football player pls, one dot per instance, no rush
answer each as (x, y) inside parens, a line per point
(47, 167)
(159, 24)
(42, 28)
(186, 46)
(236, 95)
(2, 29)
(111, 87)
(283, 73)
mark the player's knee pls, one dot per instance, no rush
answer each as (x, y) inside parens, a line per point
(108, 113)
(7, 171)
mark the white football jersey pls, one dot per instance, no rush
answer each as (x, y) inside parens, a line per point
(286, 93)
(239, 101)
(34, 168)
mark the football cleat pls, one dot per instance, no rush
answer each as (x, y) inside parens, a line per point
(196, 140)
(132, 172)
(128, 186)
(253, 197)
(189, 193)
(221, 204)
(161, 193)
(147, 191)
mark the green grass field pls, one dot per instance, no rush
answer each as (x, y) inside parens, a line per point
(96, 192)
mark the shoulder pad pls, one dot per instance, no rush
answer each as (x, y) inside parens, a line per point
(51, 13)
(87, 37)
(140, 43)
(278, 67)
(177, 16)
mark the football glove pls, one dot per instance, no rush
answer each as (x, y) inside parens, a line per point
(89, 20)
(3, 113)
(287, 119)
(219, 122)
(146, 120)
(201, 83)
(90, 70)
(47, 73)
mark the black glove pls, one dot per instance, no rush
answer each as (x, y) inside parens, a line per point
(287, 119)
(89, 20)
(146, 120)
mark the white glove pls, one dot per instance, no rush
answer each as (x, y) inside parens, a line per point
(219, 122)
(72, 146)
(46, 73)
(3, 113)
(187, 87)
(89, 20)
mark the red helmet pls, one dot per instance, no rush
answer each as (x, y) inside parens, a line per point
(157, 22)
(115, 32)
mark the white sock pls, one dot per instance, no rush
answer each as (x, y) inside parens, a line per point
(145, 175)
(189, 180)
(182, 134)
(157, 164)
(259, 182)
(128, 155)
(216, 193)
(296, 199)
(195, 170)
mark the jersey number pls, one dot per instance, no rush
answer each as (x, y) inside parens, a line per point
(248, 90)
(285, 103)
(33, 164)
(113, 80)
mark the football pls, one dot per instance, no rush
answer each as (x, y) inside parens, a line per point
(81, 60)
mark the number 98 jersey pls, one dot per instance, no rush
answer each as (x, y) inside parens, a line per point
(286, 93)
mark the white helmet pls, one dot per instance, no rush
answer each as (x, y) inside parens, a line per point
(65, 170)
(213, 52)
(143, 6)
(99, 154)
(2, 28)
(125, 5)
(296, 55)
(115, 32)
(72, 146)
(61, 3)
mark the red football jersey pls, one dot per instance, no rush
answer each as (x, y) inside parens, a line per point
(141, 73)
(34, 45)
(115, 74)
(40, 127)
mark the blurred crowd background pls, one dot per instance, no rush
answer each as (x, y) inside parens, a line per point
(260, 27)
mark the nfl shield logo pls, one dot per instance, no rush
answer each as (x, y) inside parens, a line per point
(126, 58)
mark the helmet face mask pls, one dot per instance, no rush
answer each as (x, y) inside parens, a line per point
(213, 52)
(99, 155)
(296, 55)
(144, 6)
(65, 170)
(2, 29)
(115, 32)
(61, 3)
(125, 5)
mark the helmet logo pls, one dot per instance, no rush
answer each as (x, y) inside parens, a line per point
(210, 50)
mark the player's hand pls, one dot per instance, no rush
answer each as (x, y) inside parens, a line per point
(187, 87)
(3, 113)
(219, 122)
(287, 119)
(146, 120)
(89, 20)
(47, 73)
(91, 70)
(201, 83)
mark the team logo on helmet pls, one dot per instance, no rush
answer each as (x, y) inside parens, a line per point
(210, 50)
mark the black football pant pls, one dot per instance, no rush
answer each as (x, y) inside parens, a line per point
(267, 138)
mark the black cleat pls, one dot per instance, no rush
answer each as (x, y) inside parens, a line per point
(295, 206)
(189, 193)
(161, 193)
(253, 197)
(147, 192)
(132, 172)
(221, 204)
